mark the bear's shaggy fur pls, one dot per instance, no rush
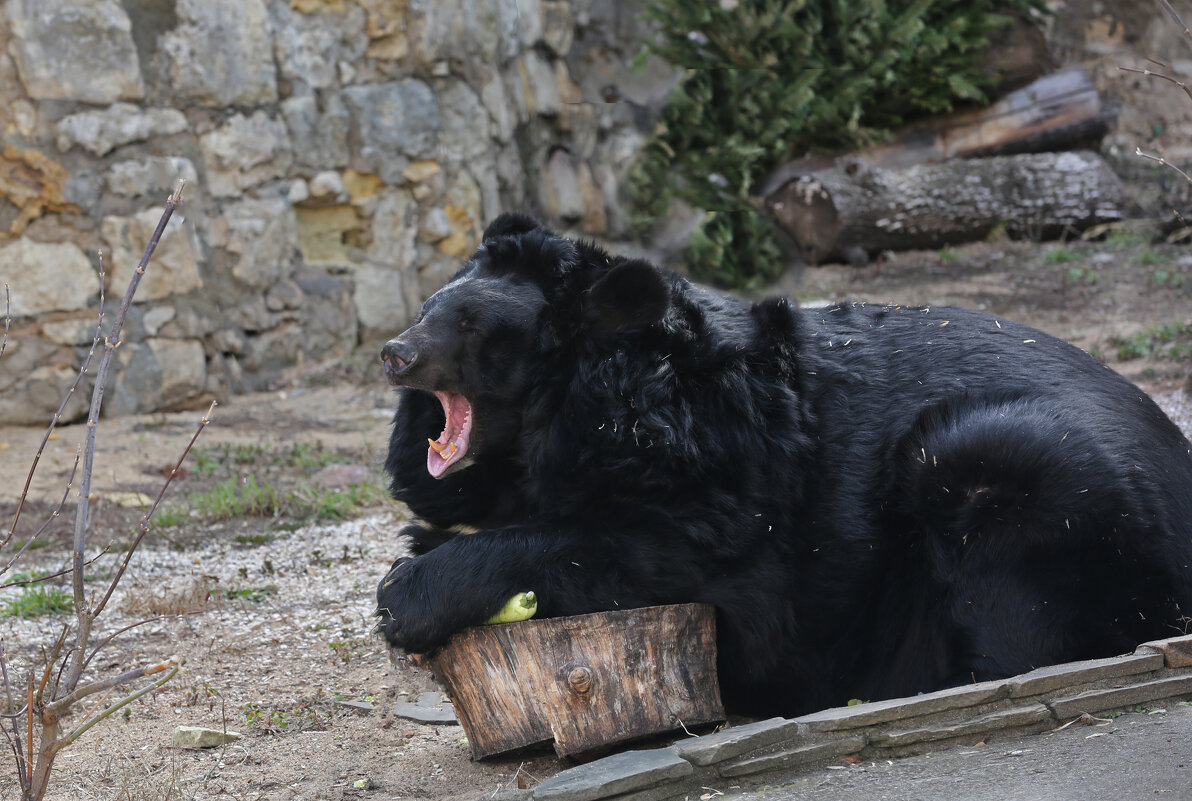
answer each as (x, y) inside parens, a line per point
(878, 500)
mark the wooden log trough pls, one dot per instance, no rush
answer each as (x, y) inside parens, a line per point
(586, 682)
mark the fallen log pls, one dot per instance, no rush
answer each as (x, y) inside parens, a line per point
(853, 205)
(585, 682)
(1056, 112)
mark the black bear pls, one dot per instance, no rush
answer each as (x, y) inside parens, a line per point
(878, 500)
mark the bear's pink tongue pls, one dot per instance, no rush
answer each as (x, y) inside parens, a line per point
(452, 444)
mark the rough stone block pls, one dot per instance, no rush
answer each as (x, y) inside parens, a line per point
(729, 743)
(1102, 700)
(852, 717)
(263, 233)
(1070, 674)
(1176, 651)
(244, 152)
(791, 757)
(321, 233)
(319, 135)
(152, 176)
(74, 50)
(44, 276)
(1005, 719)
(104, 130)
(620, 773)
(174, 269)
(397, 122)
(221, 53)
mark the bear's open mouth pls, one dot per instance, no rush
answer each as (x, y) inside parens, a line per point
(452, 444)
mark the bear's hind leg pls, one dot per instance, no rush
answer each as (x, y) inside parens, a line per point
(1036, 537)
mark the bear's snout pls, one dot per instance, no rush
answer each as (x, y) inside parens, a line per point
(398, 357)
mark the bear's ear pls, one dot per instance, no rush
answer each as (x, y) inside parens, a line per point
(510, 224)
(632, 295)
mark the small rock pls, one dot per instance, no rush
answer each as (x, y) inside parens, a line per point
(130, 500)
(327, 184)
(429, 708)
(363, 706)
(199, 737)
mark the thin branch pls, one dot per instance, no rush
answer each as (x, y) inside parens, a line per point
(30, 764)
(99, 647)
(7, 317)
(143, 528)
(1159, 75)
(123, 702)
(61, 409)
(14, 739)
(61, 572)
(1187, 34)
(59, 707)
(1164, 162)
(84, 615)
(53, 515)
(52, 660)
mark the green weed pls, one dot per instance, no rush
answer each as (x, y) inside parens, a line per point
(1171, 341)
(338, 503)
(1149, 258)
(1060, 254)
(1125, 240)
(1168, 279)
(253, 594)
(235, 498)
(1083, 275)
(170, 516)
(260, 538)
(38, 600)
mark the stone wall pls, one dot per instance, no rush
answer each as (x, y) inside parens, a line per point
(343, 157)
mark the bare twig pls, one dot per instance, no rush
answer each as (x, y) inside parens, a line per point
(123, 702)
(7, 317)
(59, 689)
(1187, 34)
(60, 706)
(1161, 76)
(106, 640)
(33, 538)
(83, 614)
(62, 572)
(143, 528)
(1164, 162)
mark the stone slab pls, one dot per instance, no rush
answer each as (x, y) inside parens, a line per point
(854, 717)
(614, 775)
(1004, 719)
(793, 757)
(1177, 651)
(429, 707)
(1070, 674)
(199, 737)
(732, 742)
(1102, 700)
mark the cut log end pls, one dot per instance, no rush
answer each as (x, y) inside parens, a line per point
(586, 682)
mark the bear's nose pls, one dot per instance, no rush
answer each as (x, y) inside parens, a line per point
(397, 356)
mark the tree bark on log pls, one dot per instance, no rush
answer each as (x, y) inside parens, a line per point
(1056, 112)
(854, 206)
(585, 682)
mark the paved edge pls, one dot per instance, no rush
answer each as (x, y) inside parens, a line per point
(1038, 701)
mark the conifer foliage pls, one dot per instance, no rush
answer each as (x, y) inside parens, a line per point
(772, 79)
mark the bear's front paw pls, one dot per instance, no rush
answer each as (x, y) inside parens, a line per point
(407, 620)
